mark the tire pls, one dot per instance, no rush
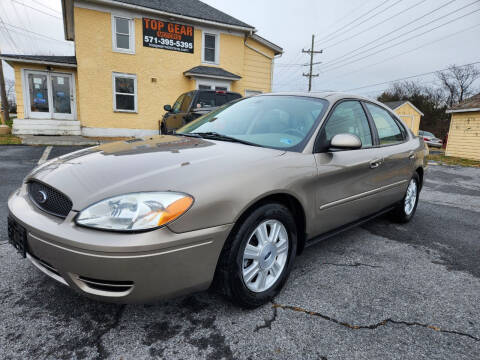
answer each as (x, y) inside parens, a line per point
(404, 212)
(235, 265)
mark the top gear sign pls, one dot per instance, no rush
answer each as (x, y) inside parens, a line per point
(168, 36)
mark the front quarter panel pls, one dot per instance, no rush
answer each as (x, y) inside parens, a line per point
(223, 197)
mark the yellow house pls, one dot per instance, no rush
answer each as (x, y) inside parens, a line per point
(409, 114)
(464, 134)
(131, 58)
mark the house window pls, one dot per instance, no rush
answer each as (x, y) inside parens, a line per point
(124, 92)
(210, 48)
(123, 34)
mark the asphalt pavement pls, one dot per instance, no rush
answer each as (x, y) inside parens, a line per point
(382, 290)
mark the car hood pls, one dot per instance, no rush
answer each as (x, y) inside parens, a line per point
(159, 163)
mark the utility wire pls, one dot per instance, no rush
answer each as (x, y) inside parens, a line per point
(337, 59)
(26, 31)
(396, 56)
(45, 6)
(374, 26)
(40, 11)
(403, 41)
(364, 21)
(327, 37)
(408, 77)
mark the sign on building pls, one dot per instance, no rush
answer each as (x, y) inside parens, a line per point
(166, 35)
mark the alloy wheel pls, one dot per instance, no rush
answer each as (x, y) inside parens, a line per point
(265, 255)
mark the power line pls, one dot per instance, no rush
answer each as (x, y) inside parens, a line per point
(408, 77)
(40, 11)
(45, 6)
(32, 32)
(336, 60)
(403, 41)
(327, 37)
(396, 56)
(374, 26)
(364, 21)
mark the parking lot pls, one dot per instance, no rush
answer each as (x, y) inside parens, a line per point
(381, 290)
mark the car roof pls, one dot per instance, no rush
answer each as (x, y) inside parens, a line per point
(332, 96)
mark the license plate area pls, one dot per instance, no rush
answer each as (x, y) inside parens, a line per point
(17, 236)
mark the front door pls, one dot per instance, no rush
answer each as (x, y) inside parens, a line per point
(50, 95)
(347, 179)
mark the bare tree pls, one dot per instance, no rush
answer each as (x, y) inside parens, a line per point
(458, 82)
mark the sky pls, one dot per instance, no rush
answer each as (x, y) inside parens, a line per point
(364, 42)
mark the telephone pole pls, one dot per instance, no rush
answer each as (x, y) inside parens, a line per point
(312, 52)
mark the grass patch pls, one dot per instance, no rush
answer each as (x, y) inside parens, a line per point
(9, 140)
(451, 160)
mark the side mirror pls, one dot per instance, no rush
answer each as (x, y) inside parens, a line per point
(346, 142)
(167, 108)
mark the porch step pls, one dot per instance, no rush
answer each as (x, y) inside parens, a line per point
(45, 127)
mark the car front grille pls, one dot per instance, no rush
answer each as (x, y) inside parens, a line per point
(49, 199)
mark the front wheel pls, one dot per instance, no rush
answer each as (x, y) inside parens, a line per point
(258, 256)
(406, 208)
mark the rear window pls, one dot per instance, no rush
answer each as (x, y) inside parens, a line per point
(208, 99)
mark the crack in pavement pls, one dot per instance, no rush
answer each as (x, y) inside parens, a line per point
(352, 265)
(102, 352)
(268, 322)
(373, 326)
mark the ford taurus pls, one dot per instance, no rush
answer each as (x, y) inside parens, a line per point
(230, 199)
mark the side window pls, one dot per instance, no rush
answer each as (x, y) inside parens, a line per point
(124, 92)
(206, 99)
(388, 130)
(178, 103)
(210, 48)
(187, 99)
(348, 117)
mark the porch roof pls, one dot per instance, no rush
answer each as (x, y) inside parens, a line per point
(67, 61)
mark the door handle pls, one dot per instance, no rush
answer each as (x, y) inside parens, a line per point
(412, 156)
(375, 163)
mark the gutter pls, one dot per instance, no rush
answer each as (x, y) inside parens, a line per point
(178, 16)
(462, 110)
(38, 62)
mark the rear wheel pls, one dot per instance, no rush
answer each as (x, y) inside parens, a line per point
(258, 256)
(406, 208)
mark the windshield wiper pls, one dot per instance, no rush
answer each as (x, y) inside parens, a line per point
(217, 136)
(194, 135)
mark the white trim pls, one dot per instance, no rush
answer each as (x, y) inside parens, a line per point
(462, 110)
(131, 34)
(194, 75)
(408, 102)
(267, 43)
(142, 9)
(135, 92)
(37, 62)
(212, 83)
(411, 117)
(215, 33)
(258, 51)
(116, 132)
(48, 115)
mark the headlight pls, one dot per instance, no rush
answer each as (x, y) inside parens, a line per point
(136, 211)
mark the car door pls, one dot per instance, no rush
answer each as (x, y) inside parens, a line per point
(396, 154)
(347, 179)
(178, 116)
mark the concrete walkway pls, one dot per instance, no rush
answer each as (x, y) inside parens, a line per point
(58, 140)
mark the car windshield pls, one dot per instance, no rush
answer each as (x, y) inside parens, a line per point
(275, 121)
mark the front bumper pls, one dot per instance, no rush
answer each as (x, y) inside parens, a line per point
(118, 267)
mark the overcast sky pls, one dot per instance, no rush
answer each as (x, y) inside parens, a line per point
(365, 42)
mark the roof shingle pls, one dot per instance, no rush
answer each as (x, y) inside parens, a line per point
(470, 103)
(211, 71)
(67, 60)
(191, 8)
